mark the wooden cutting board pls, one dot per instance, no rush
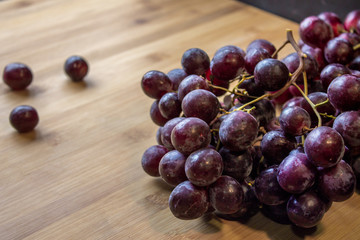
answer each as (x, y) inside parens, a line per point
(78, 175)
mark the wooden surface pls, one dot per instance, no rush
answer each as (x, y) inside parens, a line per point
(78, 176)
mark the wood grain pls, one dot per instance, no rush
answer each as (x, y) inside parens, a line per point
(78, 176)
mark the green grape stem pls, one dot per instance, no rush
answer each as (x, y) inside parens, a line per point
(311, 104)
(356, 47)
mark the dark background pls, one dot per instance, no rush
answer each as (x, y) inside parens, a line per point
(297, 10)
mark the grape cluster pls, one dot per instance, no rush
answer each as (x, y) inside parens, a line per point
(237, 156)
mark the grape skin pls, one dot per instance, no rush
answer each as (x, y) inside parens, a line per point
(190, 135)
(203, 167)
(188, 201)
(238, 130)
(324, 147)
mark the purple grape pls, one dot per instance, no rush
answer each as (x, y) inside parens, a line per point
(151, 159)
(344, 93)
(324, 147)
(330, 72)
(262, 44)
(315, 32)
(17, 76)
(334, 21)
(351, 20)
(296, 173)
(237, 164)
(190, 135)
(348, 125)
(292, 62)
(249, 206)
(202, 104)
(176, 76)
(276, 145)
(338, 50)
(190, 83)
(317, 54)
(315, 98)
(253, 57)
(166, 132)
(267, 188)
(172, 168)
(271, 74)
(155, 84)
(294, 121)
(195, 61)
(337, 183)
(76, 68)
(227, 63)
(170, 105)
(188, 201)
(226, 195)
(203, 167)
(305, 210)
(238, 131)
(156, 115)
(24, 118)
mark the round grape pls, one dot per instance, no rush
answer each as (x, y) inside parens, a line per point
(324, 147)
(238, 131)
(17, 76)
(188, 201)
(190, 135)
(271, 74)
(195, 61)
(203, 167)
(155, 84)
(76, 68)
(24, 118)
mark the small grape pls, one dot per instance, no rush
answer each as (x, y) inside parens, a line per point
(203, 167)
(24, 118)
(324, 147)
(267, 188)
(226, 195)
(172, 168)
(238, 131)
(295, 121)
(155, 84)
(202, 104)
(17, 76)
(151, 159)
(76, 68)
(195, 61)
(190, 135)
(306, 210)
(188, 201)
(337, 183)
(344, 93)
(271, 74)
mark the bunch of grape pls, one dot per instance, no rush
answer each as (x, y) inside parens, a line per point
(236, 156)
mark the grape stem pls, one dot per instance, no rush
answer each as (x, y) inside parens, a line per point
(280, 48)
(356, 47)
(313, 106)
(294, 76)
